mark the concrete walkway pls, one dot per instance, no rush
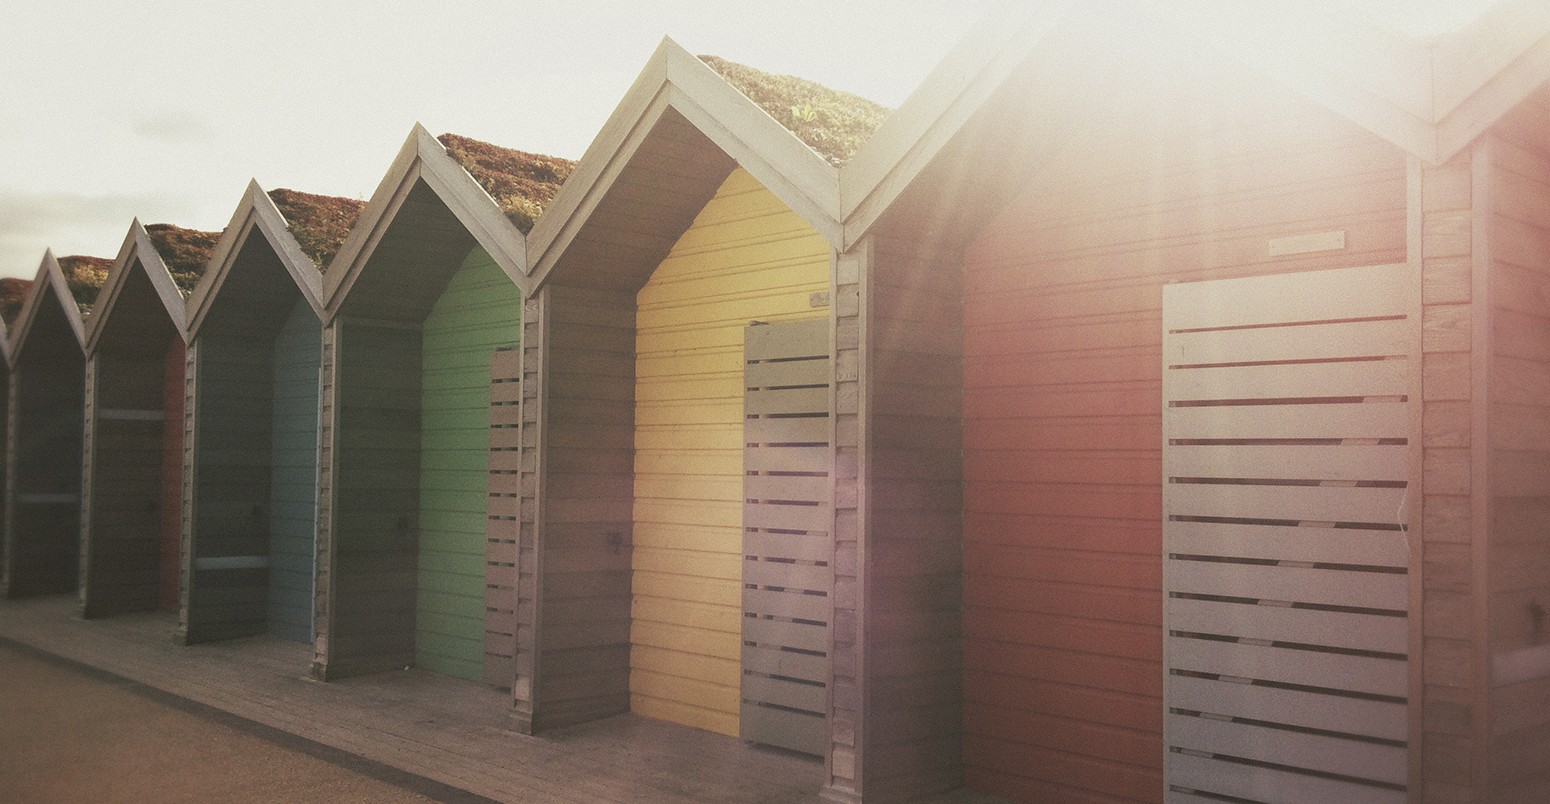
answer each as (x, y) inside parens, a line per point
(71, 734)
(438, 730)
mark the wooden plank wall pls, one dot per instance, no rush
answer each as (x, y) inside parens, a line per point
(42, 520)
(174, 391)
(328, 449)
(479, 311)
(366, 578)
(788, 523)
(909, 578)
(293, 480)
(502, 530)
(848, 283)
(578, 411)
(1062, 417)
(122, 523)
(231, 390)
(1519, 414)
(746, 257)
(1287, 402)
(1449, 709)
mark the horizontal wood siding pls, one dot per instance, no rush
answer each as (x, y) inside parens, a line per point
(328, 449)
(233, 388)
(171, 506)
(293, 479)
(375, 496)
(503, 499)
(577, 441)
(43, 503)
(123, 540)
(479, 311)
(913, 559)
(1062, 405)
(1285, 552)
(1519, 546)
(578, 416)
(788, 519)
(746, 257)
(1451, 710)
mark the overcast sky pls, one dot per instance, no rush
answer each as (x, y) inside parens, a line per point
(163, 109)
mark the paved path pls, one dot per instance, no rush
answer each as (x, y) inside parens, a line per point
(452, 737)
(71, 735)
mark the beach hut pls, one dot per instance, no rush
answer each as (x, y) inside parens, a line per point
(254, 348)
(1247, 315)
(43, 452)
(418, 305)
(677, 554)
(132, 485)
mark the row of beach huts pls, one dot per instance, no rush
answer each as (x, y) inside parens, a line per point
(1155, 407)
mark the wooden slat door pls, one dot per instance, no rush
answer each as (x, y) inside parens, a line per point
(788, 511)
(1287, 467)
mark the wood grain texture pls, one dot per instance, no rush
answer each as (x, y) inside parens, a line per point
(1334, 625)
(479, 311)
(1062, 363)
(788, 517)
(293, 475)
(1519, 552)
(123, 483)
(745, 257)
(46, 387)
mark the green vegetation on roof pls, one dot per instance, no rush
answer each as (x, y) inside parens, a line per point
(521, 183)
(320, 223)
(85, 277)
(831, 122)
(13, 293)
(185, 251)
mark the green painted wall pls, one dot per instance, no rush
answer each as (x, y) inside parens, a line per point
(479, 311)
(294, 467)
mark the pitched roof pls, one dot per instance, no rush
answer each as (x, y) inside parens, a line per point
(52, 280)
(302, 230)
(320, 223)
(521, 183)
(85, 277)
(831, 122)
(13, 292)
(678, 131)
(1430, 98)
(425, 176)
(185, 252)
(139, 252)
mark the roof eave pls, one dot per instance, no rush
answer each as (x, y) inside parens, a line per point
(423, 157)
(49, 281)
(938, 109)
(137, 251)
(256, 211)
(675, 79)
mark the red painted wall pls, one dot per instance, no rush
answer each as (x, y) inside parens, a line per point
(1063, 424)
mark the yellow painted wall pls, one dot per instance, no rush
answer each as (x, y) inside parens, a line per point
(746, 257)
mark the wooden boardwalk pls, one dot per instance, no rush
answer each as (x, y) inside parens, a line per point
(451, 731)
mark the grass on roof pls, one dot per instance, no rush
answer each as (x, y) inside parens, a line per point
(831, 122)
(320, 223)
(13, 294)
(85, 277)
(185, 251)
(520, 182)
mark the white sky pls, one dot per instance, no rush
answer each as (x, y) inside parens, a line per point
(163, 109)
